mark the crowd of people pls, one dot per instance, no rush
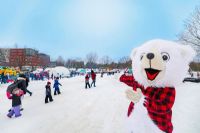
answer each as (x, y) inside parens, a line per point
(19, 88)
(6, 78)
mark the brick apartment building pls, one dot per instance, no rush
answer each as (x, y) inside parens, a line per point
(44, 60)
(18, 57)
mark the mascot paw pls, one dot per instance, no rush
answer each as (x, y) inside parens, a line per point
(134, 96)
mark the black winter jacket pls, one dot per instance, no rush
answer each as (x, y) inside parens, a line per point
(22, 85)
(48, 90)
(16, 100)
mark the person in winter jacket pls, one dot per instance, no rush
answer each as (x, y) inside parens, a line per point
(93, 75)
(87, 77)
(21, 84)
(56, 86)
(16, 94)
(27, 82)
(48, 93)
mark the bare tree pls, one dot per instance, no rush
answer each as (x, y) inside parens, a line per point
(68, 63)
(92, 57)
(74, 63)
(91, 60)
(191, 33)
(125, 62)
(105, 60)
(60, 61)
(124, 59)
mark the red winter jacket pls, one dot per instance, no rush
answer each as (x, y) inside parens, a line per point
(158, 102)
(93, 76)
(87, 78)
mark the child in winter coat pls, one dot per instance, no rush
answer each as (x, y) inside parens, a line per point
(87, 81)
(16, 102)
(48, 93)
(56, 86)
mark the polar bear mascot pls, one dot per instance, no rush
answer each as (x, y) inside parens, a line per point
(158, 67)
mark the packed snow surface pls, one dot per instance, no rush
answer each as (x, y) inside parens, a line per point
(100, 109)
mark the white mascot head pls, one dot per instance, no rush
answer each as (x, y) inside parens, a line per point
(160, 63)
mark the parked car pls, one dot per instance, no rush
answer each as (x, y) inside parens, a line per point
(196, 80)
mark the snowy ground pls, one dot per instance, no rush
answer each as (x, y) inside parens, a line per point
(97, 110)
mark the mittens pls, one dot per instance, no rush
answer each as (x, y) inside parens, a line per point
(134, 96)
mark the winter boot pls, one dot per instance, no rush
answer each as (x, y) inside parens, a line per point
(50, 98)
(11, 113)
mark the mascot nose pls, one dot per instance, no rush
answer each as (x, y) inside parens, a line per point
(150, 56)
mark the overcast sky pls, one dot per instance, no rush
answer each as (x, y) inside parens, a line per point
(73, 28)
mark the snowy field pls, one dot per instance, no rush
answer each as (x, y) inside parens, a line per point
(97, 110)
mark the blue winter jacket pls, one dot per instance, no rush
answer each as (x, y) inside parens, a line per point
(56, 84)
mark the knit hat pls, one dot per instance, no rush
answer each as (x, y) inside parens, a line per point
(48, 82)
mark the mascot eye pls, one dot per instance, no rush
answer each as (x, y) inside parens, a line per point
(165, 56)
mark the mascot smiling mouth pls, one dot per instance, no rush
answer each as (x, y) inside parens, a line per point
(151, 73)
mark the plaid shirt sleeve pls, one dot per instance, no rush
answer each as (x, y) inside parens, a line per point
(160, 101)
(129, 80)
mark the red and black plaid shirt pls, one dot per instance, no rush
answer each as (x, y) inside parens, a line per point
(159, 102)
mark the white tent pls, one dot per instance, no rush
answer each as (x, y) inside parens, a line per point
(59, 70)
(38, 70)
(48, 69)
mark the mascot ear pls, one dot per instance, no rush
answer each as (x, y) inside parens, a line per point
(133, 53)
(187, 52)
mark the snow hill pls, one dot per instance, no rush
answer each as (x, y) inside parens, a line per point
(97, 110)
